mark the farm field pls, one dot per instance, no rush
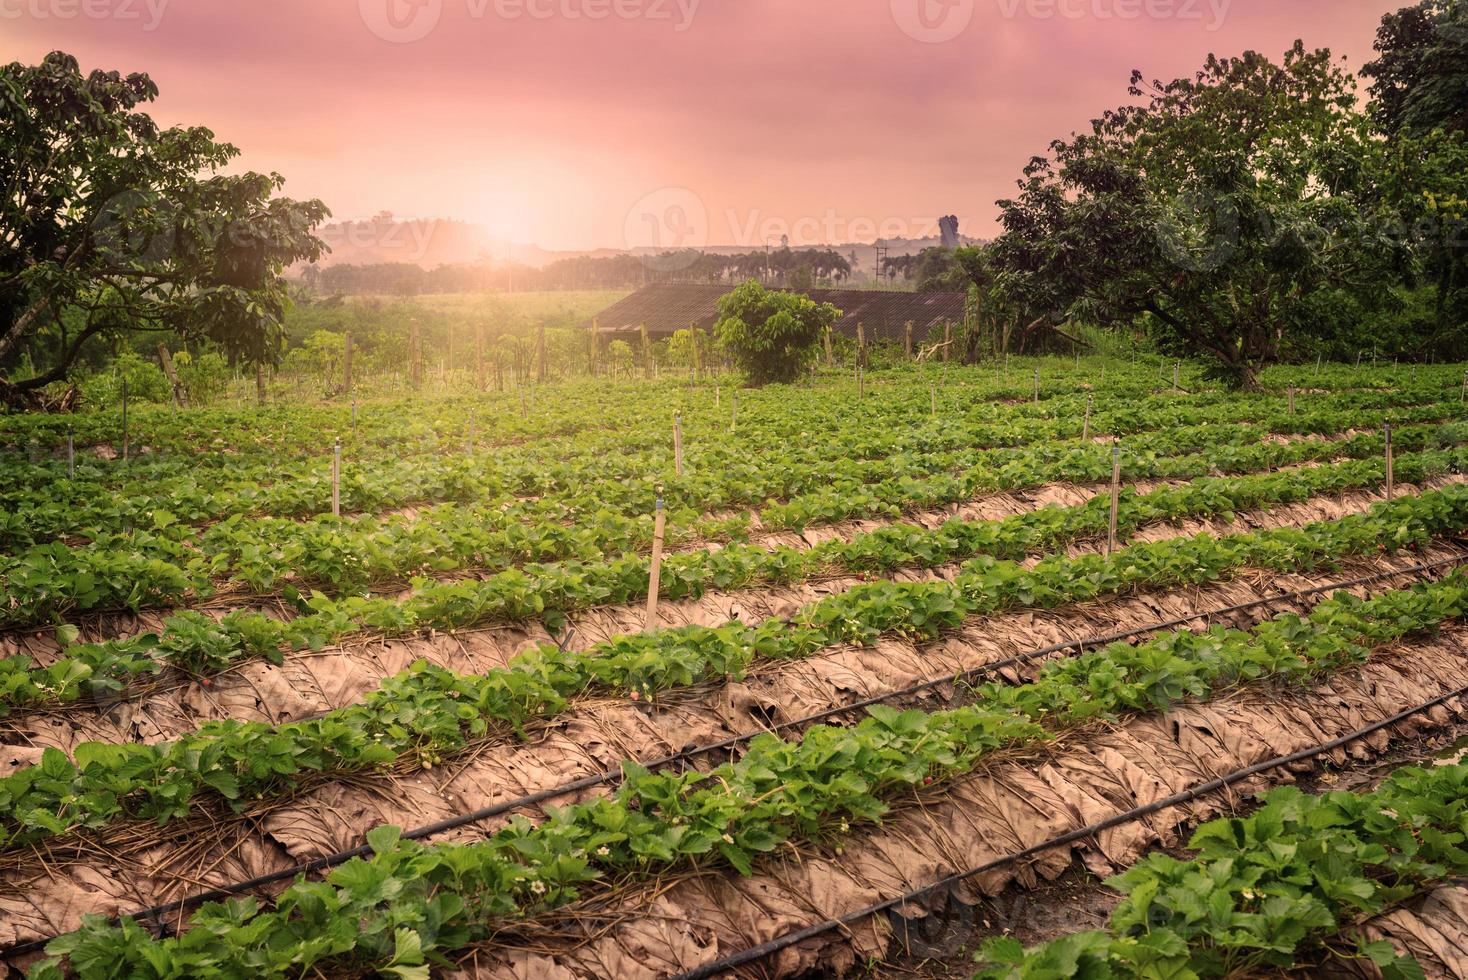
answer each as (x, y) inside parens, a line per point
(908, 654)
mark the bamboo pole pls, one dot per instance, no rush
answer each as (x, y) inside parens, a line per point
(415, 354)
(347, 349)
(336, 479)
(656, 567)
(124, 420)
(678, 443)
(1389, 474)
(1086, 426)
(480, 380)
(1115, 497)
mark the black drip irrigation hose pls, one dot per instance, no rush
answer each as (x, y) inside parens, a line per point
(773, 946)
(156, 913)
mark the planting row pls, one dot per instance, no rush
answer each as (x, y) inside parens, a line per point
(199, 644)
(622, 472)
(427, 713)
(410, 903)
(1285, 887)
(149, 569)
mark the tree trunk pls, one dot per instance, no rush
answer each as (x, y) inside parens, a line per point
(166, 360)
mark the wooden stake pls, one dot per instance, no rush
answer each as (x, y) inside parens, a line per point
(655, 571)
(415, 354)
(1319, 363)
(861, 384)
(70, 454)
(1037, 386)
(336, 479)
(1292, 399)
(1388, 431)
(473, 433)
(354, 413)
(347, 362)
(1115, 496)
(124, 420)
(947, 342)
(907, 342)
(479, 377)
(1086, 426)
(1177, 374)
(678, 443)
(734, 420)
(830, 353)
(1463, 394)
(259, 385)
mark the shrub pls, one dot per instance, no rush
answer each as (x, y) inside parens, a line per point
(771, 334)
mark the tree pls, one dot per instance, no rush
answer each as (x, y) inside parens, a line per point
(1420, 77)
(111, 225)
(1213, 212)
(771, 334)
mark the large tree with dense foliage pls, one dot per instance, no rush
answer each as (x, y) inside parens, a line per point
(109, 225)
(1420, 76)
(770, 333)
(1217, 211)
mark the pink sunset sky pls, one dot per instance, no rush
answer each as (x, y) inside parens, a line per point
(607, 123)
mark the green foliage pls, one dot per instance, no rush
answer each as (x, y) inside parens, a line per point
(1279, 889)
(145, 383)
(771, 335)
(1215, 211)
(1420, 76)
(434, 898)
(204, 378)
(423, 711)
(114, 224)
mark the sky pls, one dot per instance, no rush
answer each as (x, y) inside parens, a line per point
(578, 124)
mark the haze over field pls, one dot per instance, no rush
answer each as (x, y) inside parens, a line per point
(567, 123)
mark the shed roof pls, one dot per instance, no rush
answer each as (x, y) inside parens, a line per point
(670, 306)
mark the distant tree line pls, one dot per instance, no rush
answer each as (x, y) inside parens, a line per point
(783, 266)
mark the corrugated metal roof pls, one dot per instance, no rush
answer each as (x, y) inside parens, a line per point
(670, 306)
